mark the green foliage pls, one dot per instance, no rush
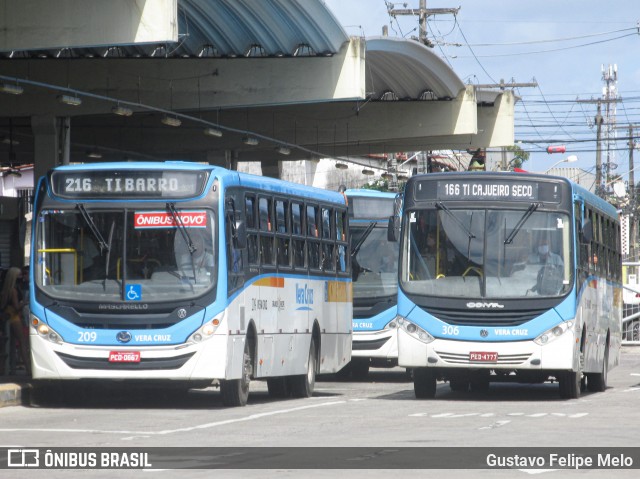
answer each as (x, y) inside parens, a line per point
(519, 156)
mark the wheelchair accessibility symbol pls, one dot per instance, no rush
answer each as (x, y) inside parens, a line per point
(134, 292)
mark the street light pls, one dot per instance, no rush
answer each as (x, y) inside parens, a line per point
(568, 159)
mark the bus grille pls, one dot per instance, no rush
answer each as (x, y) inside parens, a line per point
(145, 364)
(368, 345)
(477, 317)
(503, 360)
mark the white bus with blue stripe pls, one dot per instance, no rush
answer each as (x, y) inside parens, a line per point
(508, 277)
(188, 275)
(375, 280)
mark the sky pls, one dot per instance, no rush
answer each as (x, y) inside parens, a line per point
(562, 45)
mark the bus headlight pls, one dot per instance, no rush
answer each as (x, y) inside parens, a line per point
(393, 324)
(414, 330)
(205, 331)
(44, 330)
(553, 333)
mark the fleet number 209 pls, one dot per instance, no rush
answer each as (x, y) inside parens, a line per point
(87, 336)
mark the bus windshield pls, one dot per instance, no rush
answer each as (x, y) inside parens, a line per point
(375, 264)
(121, 255)
(486, 253)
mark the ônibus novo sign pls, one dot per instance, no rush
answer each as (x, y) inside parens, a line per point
(164, 219)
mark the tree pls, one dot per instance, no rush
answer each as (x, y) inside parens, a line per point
(519, 156)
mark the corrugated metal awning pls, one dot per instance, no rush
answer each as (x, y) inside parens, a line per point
(232, 28)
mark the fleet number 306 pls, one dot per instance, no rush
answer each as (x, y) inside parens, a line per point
(450, 330)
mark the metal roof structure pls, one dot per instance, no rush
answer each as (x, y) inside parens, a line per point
(408, 70)
(284, 70)
(230, 29)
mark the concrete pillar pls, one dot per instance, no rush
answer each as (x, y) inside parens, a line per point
(45, 142)
(271, 169)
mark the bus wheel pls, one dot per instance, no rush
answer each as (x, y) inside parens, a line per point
(302, 385)
(424, 383)
(570, 383)
(278, 387)
(235, 392)
(597, 382)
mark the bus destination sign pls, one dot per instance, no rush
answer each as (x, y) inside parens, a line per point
(478, 189)
(170, 184)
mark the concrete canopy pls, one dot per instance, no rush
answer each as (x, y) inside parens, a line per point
(282, 71)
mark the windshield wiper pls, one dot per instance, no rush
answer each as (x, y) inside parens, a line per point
(470, 235)
(363, 238)
(94, 229)
(185, 235)
(441, 206)
(521, 222)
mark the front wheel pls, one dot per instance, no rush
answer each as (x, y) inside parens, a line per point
(302, 386)
(424, 383)
(235, 392)
(570, 383)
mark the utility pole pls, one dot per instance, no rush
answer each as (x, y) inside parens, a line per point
(633, 204)
(422, 13)
(503, 86)
(599, 121)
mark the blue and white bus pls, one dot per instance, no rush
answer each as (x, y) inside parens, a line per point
(508, 277)
(375, 280)
(188, 274)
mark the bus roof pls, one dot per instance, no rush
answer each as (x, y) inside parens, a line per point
(353, 192)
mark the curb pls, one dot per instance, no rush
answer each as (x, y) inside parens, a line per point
(13, 394)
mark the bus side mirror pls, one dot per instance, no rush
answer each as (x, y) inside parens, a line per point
(393, 229)
(240, 235)
(586, 233)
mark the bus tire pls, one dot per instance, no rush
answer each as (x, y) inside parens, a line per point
(235, 392)
(597, 382)
(570, 384)
(424, 383)
(278, 387)
(302, 385)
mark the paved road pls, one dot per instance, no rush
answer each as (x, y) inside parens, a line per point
(379, 412)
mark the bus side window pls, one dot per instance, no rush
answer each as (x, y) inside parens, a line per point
(282, 232)
(328, 263)
(252, 236)
(313, 244)
(266, 231)
(298, 247)
(341, 263)
(235, 267)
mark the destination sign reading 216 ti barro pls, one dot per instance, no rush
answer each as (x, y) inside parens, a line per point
(487, 190)
(128, 184)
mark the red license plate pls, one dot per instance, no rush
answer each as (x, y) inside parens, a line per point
(124, 357)
(483, 357)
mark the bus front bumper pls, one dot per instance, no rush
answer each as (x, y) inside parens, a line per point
(375, 344)
(201, 361)
(559, 354)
